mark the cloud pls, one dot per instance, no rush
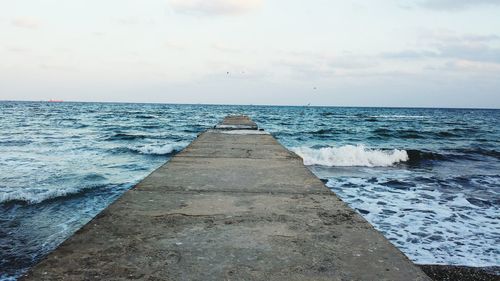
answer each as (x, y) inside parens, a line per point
(480, 52)
(446, 5)
(484, 69)
(26, 22)
(352, 62)
(481, 38)
(314, 66)
(214, 7)
(451, 36)
(469, 47)
(410, 54)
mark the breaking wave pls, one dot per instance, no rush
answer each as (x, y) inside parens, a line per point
(350, 155)
(165, 149)
(34, 196)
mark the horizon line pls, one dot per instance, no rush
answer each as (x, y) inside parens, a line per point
(265, 105)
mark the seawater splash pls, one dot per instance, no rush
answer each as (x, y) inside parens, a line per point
(430, 223)
(63, 185)
(35, 196)
(351, 155)
(159, 149)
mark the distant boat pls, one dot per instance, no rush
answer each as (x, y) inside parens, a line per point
(53, 100)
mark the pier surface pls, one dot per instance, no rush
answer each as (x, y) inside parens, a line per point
(234, 205)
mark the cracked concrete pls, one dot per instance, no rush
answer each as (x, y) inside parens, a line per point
(228, 207)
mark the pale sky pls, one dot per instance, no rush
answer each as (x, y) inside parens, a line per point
(437, 53)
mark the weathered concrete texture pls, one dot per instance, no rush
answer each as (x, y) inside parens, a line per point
(237, 122)
(228, 207)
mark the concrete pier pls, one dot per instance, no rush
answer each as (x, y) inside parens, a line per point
(233, 205)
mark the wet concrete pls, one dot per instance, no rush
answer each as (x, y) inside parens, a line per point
(234, 205)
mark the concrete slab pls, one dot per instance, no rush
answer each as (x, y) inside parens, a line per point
(224, 145)
(215, 136)
(234, 175)
(213, 215)
(237, 122)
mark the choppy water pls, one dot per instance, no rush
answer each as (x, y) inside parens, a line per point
(429, 179)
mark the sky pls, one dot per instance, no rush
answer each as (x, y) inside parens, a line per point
(416, 53)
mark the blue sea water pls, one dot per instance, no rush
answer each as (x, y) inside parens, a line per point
(428, 179)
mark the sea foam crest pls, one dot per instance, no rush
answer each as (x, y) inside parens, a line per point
(159, 149)
(351, 155)
(34, 196)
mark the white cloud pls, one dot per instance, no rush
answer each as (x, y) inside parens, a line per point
(447, 45)
(484, 69)
(214, 7)
(26, 22)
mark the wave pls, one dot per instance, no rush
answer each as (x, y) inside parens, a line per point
(323, 132)
(384, 132)
(414, 134)
(418, 156)
(447, 134)
(142, 116)
(472, 154)
(34, 196)
(166, 149)
(326, 132)
(123, 136)
(404, 134)
(15, 142)
(478, 151)
(350, 155)
(410, 134)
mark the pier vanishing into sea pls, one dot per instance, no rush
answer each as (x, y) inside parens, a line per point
(234, 205)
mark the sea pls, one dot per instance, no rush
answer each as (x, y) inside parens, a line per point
(427, 178)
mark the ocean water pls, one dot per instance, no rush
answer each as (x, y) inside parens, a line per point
(428, 179)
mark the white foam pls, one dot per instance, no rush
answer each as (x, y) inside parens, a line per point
(159, 149)
(350, 155)
(429, 226)
(34, 196)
